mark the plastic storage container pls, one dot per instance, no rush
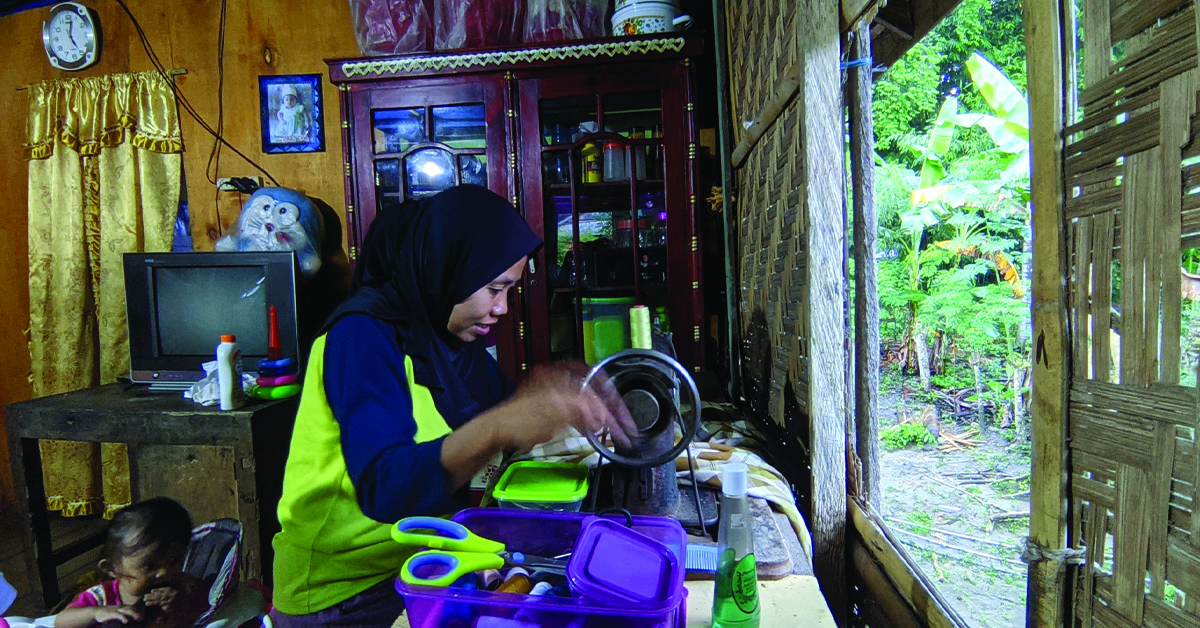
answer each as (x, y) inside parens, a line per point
(613, 562)
(542, 486)
(545, 533)
(605, 327)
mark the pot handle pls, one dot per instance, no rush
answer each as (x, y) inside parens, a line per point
(683, 22)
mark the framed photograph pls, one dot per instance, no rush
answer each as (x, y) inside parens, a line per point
(292, 117)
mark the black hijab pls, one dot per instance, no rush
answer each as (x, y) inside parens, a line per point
(419, 261)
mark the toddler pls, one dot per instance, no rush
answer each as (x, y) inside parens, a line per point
(143, 556)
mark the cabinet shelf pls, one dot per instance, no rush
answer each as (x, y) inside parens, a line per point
(604, 185)
(610, 289)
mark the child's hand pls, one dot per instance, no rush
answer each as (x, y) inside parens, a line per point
(161, 597)
(122, 614)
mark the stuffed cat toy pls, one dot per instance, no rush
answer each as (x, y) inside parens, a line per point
(279, 219)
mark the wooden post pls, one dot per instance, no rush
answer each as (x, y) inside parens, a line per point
(824, 219)
(866, 299)
(1051, 356)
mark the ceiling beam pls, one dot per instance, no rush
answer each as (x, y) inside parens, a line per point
(904, 23)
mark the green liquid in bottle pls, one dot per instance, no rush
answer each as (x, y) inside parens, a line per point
(736, 602)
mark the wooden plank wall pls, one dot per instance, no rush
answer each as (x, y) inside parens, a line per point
(263, 37)
(1132, 207)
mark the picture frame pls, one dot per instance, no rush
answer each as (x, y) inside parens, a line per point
(292, 113)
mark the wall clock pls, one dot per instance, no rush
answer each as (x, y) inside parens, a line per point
(71, 36)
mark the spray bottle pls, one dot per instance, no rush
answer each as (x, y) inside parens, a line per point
(229, 373)
(735, 602)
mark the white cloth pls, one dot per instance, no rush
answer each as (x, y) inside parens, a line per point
(207, 392)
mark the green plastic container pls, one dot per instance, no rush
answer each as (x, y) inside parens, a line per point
(605, 327)
(536, 485)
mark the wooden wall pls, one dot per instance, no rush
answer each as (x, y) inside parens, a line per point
(263, 37)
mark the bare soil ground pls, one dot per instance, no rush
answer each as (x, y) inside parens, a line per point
(954, 513)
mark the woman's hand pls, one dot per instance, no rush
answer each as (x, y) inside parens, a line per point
(546, 402)
(552, 398)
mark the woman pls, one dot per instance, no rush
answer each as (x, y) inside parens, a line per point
(401, 406)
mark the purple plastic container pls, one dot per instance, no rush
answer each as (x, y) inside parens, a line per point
(549, 533)
(612, 562)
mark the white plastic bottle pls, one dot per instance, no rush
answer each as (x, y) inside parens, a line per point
(229, 373)
(735, 601)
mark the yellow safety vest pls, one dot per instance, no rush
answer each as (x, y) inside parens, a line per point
(328, 550)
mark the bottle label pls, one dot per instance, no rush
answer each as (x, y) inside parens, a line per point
(745, 584)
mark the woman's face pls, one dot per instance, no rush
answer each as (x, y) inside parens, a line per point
(472, 318)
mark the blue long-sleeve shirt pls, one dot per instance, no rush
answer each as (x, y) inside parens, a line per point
(369, 395)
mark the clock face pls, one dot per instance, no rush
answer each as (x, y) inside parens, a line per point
(70, 36)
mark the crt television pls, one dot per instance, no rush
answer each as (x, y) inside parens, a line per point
(179, 305)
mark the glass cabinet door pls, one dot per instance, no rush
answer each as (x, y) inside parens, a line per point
(605, 215)
(420, 151)
(424, 138)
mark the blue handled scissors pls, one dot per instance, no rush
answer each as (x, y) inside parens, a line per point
(458, 551)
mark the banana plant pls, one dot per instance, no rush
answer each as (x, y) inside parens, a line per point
(953, 196)
(1007, 126)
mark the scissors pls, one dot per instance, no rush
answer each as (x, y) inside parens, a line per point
(458, 551)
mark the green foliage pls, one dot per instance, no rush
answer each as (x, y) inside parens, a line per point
(953, 380)
(1008, 487)
(1190, 261)
(940, 138)
(921, 520)
(890, 377)
(1190, 343)
(907, 98)
(906, 435)
(1019, 525)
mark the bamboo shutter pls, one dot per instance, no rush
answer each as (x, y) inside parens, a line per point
(1132, 206)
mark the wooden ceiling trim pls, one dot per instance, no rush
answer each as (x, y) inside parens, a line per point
(900, 25)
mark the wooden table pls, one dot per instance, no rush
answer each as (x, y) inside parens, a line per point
(217, 464)
(792, 601)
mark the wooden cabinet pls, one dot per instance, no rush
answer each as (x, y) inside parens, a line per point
(594, 142)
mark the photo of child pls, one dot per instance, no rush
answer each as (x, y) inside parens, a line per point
(291, 118)
(291, 112)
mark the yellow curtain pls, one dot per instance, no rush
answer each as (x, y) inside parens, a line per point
(105, 170)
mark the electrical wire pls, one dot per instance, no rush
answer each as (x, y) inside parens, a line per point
(214, 156)
(696, 491)
(181, 99)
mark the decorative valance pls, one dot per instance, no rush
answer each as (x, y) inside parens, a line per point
(88, 114)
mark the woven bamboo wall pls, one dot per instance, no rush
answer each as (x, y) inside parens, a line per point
(762, 45)
(1132, 205)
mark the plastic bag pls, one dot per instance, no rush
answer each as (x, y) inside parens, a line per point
(207, 392)
(475, 24)
(561, 20)
(384, 27)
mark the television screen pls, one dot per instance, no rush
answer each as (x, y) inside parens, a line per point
(187, 328)
(179, 305)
